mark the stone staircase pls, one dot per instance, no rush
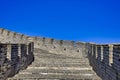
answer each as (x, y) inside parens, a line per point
(51, 66)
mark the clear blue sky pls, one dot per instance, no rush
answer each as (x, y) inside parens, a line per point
(85, 20)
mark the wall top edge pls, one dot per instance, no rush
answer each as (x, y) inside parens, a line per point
(59, 40)
(12, 43)
(13, 32)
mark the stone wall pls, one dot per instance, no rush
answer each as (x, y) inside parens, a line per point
(7, 36)
(13, 58)
(59, 46)
(105, 60)
(52, 45)
(16, 53)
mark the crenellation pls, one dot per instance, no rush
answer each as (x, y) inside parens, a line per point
(5, 33)
(12, 37)
(106, 65)
(27, 47)
(67, 46)
(9, 51)
(67, 43)
(1, 30)
(81, 48)
(22, 35)
(96, 52)
(11, 60)
(55, 46)
(47, 41)
(52, 40)
(101, 52)
(110, 55)
(18, 37)
(24, 39)
(17, 52)
(8, 33)
(43, 39)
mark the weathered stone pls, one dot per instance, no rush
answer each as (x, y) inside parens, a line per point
(56, 59)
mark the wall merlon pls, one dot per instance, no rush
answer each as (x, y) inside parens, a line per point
(8, 33)
(91, 43)
(39, 38)
(14, 35)
(49, 41)
(43, 40)
(32, 39)
(68, 43)
(11, 34)
(57, 42)
(5, 32)
(22, 35)
(1, 30)
(36, 38)
(80, 44)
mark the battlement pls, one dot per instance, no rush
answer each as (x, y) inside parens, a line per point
(13, 58)
(104, 58)
(7, 36)
(53, 44)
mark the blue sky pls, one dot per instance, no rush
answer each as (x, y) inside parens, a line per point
(80, 20)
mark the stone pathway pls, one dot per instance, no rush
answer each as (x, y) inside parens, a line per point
(51, 66)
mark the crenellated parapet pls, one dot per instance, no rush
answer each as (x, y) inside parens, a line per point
(49, 44)
(7, 36)
(14, 57)
(59, 46)
(16, 53)
(105, 60)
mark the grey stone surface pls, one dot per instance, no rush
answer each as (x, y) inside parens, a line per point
(56, 59)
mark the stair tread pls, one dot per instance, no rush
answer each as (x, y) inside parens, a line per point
(57, 66)
(57, 76)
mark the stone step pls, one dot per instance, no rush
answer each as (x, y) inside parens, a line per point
(51, 66)
(70, 55)
(67, 59)
(58, 55)
(60, 65)
(52, 60)
(62, 68)
(41, 53)
(55, 62)
(56, 76)
(65, 70)
(48, 79)
(68, 73)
